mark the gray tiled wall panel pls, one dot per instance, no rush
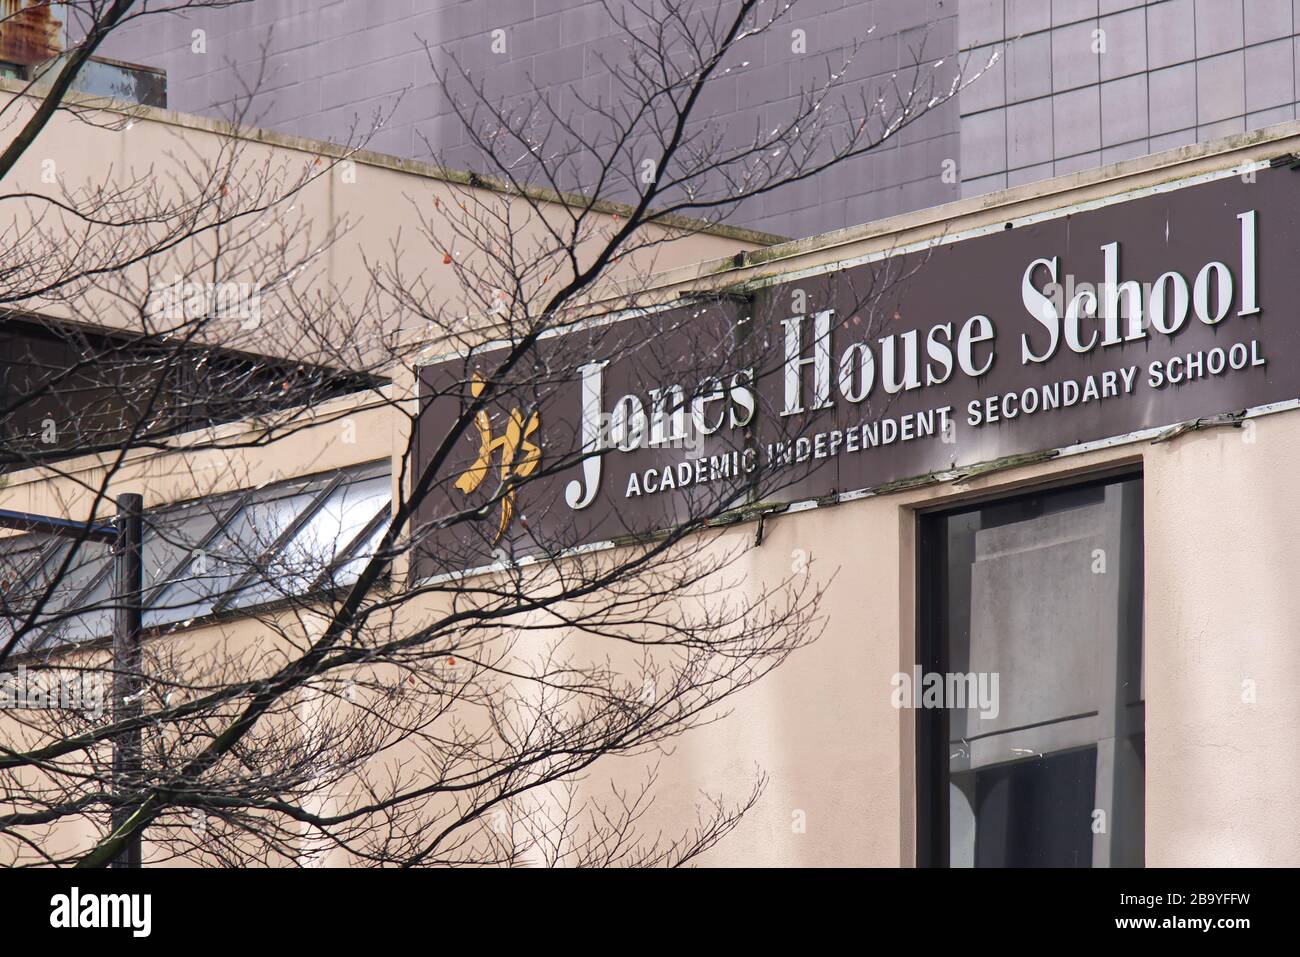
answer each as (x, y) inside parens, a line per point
(1074, 82)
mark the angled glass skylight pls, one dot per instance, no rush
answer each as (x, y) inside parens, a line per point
(207, 556)
(317, 542)
(244, 543)
(48, 577)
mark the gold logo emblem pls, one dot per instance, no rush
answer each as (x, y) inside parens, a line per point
(519, 456)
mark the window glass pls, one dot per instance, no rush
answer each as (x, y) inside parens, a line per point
(20, 555)
(1033, 607)
(60, 588)
(347, 572)
(173, 535)
(321, 540)
(233, 550)
(93, 617)
(239, 546)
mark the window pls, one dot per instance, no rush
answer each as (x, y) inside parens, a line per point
(204, 557)
(66, 390)
(1039, 600)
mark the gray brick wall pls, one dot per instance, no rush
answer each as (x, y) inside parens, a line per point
(333, 63)
(1081, 83)
(1170, 72)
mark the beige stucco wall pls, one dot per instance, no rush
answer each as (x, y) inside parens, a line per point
(1223, 775)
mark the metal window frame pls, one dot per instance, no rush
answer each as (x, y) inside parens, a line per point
(173, 575)
(227, 601)
(326, 578)
(225, 517)
(931, 774)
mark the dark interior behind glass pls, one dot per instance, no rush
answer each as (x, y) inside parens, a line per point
(1045, 592)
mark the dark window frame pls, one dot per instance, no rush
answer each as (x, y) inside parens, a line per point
(106, 369)
(931, 728)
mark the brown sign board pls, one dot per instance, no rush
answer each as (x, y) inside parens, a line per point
(1085, 324)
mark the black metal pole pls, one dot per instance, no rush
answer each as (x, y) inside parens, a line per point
(128, 574)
